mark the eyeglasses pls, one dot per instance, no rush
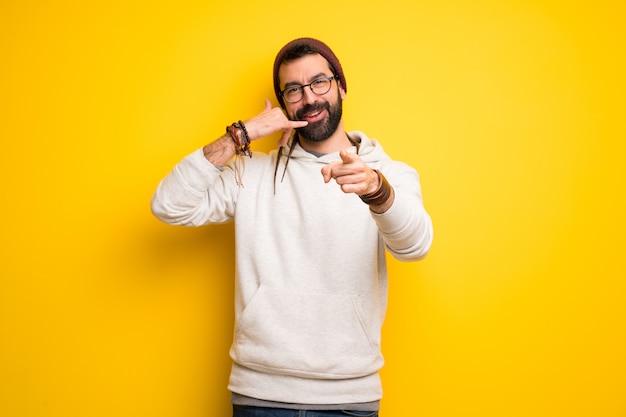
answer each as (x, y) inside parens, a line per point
(319, 86)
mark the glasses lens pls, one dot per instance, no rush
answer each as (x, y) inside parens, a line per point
(321, 86)
(293, 94)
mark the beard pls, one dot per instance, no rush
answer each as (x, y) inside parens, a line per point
(323, 129)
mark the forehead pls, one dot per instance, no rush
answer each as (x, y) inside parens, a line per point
(303, 69)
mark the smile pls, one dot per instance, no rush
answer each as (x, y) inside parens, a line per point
(314, 116)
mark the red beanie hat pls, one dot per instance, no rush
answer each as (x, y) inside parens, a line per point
(307, 45)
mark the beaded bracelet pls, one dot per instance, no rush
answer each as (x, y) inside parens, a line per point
(234, 135)
(245, 146)
(239, 135)
(242, 147)
(382, 193)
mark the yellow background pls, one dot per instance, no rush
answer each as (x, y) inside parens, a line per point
(512, 111)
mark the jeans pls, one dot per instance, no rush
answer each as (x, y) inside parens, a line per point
(241, 411)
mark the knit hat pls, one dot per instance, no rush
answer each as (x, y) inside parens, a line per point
(314, 46)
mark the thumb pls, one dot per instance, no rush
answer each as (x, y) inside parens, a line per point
(268, 104)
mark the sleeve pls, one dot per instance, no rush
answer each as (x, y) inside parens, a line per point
(195, 193)
(406, 227)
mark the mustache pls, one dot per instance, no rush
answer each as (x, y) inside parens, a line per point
(311, 108)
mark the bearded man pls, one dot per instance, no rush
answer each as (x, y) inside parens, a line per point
(312, 226)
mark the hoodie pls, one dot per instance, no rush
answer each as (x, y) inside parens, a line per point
(311, 275)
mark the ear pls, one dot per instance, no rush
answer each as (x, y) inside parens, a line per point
(342, 92)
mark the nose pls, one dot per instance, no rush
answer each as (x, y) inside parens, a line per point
(308, 96)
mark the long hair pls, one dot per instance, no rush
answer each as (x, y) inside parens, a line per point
(294, 141)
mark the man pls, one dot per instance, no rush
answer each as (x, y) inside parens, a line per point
(311, 278)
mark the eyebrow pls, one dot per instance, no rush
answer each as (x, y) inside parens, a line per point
(315, 77)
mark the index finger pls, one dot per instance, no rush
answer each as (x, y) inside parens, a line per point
(293, 124)
(348, 157)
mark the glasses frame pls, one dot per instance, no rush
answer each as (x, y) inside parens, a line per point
(310, 85)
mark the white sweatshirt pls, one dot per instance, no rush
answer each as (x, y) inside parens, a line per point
(311, 276)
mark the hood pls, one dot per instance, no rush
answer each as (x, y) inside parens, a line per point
(369, 150)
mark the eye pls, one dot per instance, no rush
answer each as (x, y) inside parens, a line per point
(293, 90)
(319, 81)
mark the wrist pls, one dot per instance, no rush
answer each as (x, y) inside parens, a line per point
(375, 183)
(381, 193)
(239, 135)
